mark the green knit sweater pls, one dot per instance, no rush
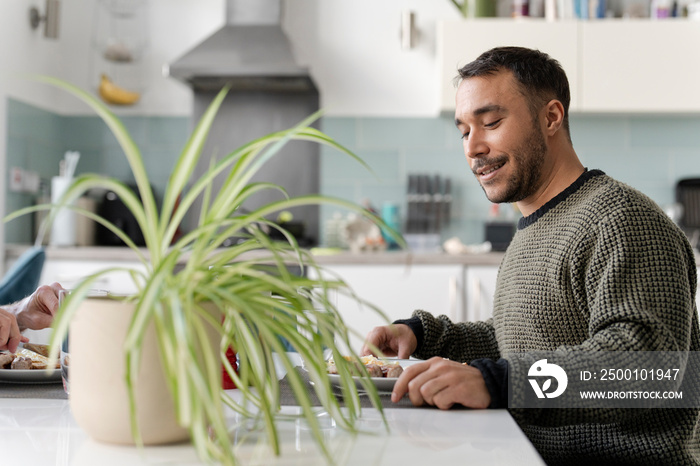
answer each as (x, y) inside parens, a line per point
(600, 267)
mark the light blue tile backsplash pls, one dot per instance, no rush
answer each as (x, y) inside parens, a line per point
(37, 140)
(650, 153)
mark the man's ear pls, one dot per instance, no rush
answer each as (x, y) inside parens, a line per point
(554, 116)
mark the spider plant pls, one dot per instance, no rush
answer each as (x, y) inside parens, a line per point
(250, 283)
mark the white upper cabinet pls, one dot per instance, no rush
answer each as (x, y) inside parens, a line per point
(353, 52)
(617, 65)
(460, 42)
(640, 66)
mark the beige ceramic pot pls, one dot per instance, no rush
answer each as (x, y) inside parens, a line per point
(98, 395)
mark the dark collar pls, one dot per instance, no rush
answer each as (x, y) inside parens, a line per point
(524, 222)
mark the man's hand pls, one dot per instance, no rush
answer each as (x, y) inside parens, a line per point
(442, 383)
(392, 340)
(34, 312)
(37, 310)
(10, 335)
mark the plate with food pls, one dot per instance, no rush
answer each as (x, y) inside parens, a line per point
(384, 372)
(29, 364)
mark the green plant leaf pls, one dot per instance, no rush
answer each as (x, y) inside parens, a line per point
(184, 168)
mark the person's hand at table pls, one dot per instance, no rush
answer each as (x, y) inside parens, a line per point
(442, 383)
(392, 340)
(34, 312)
(10, 335)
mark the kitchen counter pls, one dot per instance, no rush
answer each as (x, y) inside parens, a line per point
(96, 253)
(43, 432)
(105, 253)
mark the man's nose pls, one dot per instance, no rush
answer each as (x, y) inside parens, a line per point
(475, 145)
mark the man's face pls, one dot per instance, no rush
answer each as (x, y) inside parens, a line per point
(505, 147)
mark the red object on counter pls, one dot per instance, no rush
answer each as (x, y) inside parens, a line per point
(228, 384)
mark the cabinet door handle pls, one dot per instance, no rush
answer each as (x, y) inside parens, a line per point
(475, 302)
(452, 293)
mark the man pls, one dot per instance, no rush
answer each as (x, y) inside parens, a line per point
(34, 312)
(593, 266)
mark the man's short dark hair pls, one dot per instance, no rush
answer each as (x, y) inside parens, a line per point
(541, 77)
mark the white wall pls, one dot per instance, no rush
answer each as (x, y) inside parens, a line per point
(21, 51)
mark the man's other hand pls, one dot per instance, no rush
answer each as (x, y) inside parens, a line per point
(392, 340)
(37, 310)
(442, 383)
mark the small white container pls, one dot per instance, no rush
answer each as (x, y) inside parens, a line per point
(63, 231)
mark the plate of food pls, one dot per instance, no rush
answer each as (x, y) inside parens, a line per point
(384, 372)
(29, 364)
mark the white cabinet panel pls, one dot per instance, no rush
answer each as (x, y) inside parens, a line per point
(460, 42)
(69, 272)
(640, 65)
(398, 290)
(480, 289)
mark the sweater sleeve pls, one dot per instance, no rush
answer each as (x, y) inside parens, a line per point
(463, 341)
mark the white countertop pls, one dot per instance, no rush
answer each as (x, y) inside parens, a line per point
(43, 432)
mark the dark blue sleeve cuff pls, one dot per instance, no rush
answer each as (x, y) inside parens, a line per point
(416, 326)
(496, 377)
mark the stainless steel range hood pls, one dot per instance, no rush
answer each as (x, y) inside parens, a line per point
(250, 52)
(269, 92)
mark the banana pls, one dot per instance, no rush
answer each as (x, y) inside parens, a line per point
(113, 94)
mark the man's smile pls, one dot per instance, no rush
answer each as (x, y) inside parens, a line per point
(487, 171)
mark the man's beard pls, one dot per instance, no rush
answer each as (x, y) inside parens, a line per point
(525, 178)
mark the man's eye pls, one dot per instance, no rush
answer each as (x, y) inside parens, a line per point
(465, 136)
(491, 125)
